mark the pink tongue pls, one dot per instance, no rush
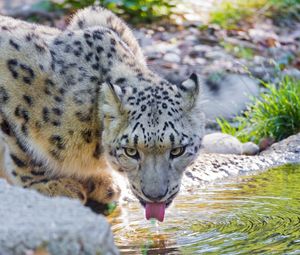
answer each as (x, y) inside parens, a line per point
(155, 210)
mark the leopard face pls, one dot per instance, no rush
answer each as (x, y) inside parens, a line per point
(152, 134)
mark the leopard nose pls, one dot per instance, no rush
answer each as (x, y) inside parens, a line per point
(156, 197)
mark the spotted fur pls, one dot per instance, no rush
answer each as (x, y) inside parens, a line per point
(73, 102)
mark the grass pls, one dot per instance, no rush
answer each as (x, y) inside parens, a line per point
(276, 114)
(238, 51)
(230, 13)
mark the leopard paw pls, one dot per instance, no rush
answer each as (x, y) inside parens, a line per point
(102, 189)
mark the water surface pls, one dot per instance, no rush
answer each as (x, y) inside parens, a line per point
(248, 215)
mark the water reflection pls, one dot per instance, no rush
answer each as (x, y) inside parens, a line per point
(250, 215)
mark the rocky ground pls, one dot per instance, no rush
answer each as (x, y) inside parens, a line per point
(261, 51)
(176, 51)
(188, 43)
(33, 224)
(30, 222)
(213, 167)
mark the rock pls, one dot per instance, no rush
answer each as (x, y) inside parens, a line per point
(169, 65)
(293, 72)
(203, 48)
(249, 149)
(217, 54)
(162, 47)
(31, 223)
(211, 167)
(227, 144)
(195, 54)
(263, 35)
(151, 55)
(262, 72)
(226, 95)
(145, 41)
(188, 60)
(171, 57)
(193, 30)
(192, 38)
(200, 61)
(222, 64)
(166, 36)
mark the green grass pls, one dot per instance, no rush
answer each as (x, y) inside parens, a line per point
(230, 13)
(238, 51)
(275, 114)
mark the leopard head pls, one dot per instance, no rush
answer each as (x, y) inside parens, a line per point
(152, 132)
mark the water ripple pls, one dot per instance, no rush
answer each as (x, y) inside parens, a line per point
(250, 215)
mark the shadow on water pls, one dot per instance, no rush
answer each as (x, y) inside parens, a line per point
(248, 215)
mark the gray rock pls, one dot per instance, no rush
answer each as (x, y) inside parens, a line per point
(226, 95)
(143, 39)
(227, 144)
(295, 73)
(154, 55)
(200, 61)
(162, 47)
(217, 54)
(188, 60)
(262, 34)
(203, 48)
(57, 226)
(191, 38)
(263, 72)
(172, 57)
(211, 167)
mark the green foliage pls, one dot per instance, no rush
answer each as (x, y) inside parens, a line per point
(133, 10)
(238, 51)
(141, 10)
(43, 5)
(74, 4)
(276, 114)
(230, 13)
(286, 9)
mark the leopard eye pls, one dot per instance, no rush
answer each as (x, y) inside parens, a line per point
(131, 152)
(176, 152)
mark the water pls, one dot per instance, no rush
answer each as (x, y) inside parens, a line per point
(249, 215)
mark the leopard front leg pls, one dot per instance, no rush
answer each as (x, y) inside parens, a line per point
(94, 191)
(97, 192)
(66, 187)
(20, 169)
(25, 174)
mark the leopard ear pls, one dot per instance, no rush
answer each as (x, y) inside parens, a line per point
(112, 96)
(116, 92)
(190, 89)
(113, 99)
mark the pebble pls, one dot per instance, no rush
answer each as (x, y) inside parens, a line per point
(171, 57)
(191, 38)
(216, 55)
(201, 61)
